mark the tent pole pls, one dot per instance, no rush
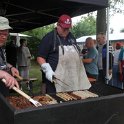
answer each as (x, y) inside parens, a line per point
(107, 34)
(17, 40)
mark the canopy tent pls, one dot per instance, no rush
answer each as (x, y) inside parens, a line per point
(19, 34)
(112, 37)
(29, 14)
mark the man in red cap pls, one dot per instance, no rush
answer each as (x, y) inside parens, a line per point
(59, 59)
(65, 21)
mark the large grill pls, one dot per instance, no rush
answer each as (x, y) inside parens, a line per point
(107, 109)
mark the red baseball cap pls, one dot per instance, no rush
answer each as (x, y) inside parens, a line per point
(65, 21)
(118, 44)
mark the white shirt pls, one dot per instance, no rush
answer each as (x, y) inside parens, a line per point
(23, 55)
(116, 55)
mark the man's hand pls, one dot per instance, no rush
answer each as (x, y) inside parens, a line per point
(48, 71)
(10, 81)
(14, 71)
(110, 71)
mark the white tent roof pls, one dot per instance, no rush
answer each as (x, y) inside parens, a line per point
(112, 37)
(19, 35)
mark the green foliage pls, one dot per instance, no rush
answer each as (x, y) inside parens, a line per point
(40, 32)
(116, 7)
(87, 26)
(36, 73)
(36, 36)
(33, 44)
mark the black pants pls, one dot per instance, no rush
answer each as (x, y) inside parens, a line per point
(3, 89)
(50, 87)
(101, 77)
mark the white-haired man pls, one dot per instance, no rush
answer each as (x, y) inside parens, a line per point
(5, 67)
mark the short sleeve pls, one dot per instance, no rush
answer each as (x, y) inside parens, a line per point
(121, 55)
(92, 54)
(45, 46)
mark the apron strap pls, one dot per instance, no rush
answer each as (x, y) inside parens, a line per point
(61, 44)
(55, 40)
(76, 48)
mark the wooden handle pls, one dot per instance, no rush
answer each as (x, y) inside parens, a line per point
(19, 77)
(19, 91)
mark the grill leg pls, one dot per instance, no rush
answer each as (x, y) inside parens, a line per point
(30, 87)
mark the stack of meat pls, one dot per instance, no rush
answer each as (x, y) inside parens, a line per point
(19, 102)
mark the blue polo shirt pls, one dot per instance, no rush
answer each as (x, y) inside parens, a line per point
(121, 54)
(92, 68)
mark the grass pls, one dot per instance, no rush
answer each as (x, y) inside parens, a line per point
(34, 73)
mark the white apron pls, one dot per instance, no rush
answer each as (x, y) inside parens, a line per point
(70, 70)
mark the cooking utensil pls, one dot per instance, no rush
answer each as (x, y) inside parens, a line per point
(61, 81)
(19, 77)
(23, 79)
(36, 103)
(57, 83)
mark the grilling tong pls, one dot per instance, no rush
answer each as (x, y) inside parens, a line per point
(56, 78)
(34, 102)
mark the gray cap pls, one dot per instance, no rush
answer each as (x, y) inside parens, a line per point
(4, 23)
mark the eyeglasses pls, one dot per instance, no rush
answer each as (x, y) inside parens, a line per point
(4, 33)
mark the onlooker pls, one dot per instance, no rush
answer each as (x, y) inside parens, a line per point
(5, 68)
(23, 59)
(11, 53)
(102, 56)
(115, 72)
(95, 42)
(59, 58)
(121, 65)
(91, 59)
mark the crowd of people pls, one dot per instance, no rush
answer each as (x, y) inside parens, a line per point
(62, 67)
(94, 59)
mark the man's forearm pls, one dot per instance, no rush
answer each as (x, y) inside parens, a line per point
(41, 60)
(87, 60)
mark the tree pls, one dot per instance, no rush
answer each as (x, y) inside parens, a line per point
(101, 16)
(86, 26)
(37, 34)
(40, 32)
(101, 21)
